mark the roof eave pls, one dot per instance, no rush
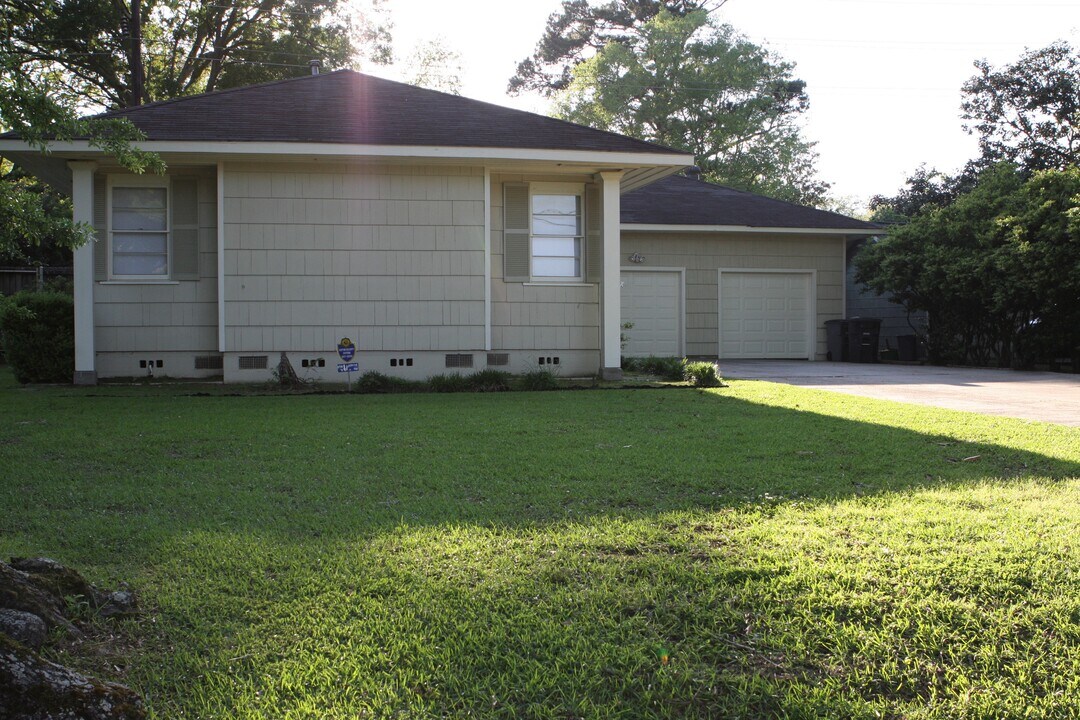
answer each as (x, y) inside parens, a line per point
(640, 168)
(661, 227)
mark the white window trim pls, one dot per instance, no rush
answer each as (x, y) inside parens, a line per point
(558, 188)
(123, 181)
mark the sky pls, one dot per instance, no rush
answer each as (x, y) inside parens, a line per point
(883, 76)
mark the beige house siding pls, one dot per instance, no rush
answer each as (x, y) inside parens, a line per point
(389, 256)
(702, 254)
(169, 322)
(541, 320)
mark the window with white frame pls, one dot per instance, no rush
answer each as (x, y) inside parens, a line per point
(139, 228)
(558, 231)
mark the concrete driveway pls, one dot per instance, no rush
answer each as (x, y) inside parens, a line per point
(1043, 396)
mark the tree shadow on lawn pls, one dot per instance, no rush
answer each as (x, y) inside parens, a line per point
(530, 554)
(349, 467)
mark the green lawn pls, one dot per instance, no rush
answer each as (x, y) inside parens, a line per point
(792, 553)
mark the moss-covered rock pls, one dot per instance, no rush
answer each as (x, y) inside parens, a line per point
(32, 688)
(35, 596)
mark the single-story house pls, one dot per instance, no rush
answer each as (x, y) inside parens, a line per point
(438, 233)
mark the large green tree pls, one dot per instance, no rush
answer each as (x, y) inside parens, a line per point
(998, 268)
(693, 84)
(582, 28)
(33, 216)
(82, 49)
(1027, 112)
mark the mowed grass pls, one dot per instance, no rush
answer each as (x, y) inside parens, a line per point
(752, 551)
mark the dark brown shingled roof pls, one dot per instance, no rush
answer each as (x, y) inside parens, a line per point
(352, 108)
(679, 200)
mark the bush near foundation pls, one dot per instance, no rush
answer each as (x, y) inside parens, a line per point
(701, 374)
(37, 330)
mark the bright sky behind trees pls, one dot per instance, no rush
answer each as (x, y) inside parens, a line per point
(883, 76)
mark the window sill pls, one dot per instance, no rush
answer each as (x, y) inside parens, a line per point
(556, 283)
(138, 282)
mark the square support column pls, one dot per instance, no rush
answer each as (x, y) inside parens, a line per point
(82, 202)
(611, 286)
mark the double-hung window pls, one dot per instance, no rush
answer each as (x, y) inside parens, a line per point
(557, 234)
(545, 232)
(139, 228)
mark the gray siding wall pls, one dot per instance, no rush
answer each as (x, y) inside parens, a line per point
(390, 256)
(702, 254)
(552, 317)
(862, 302)
(167, 321)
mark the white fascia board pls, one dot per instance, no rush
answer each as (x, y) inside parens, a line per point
(636, 227)
(335, 150)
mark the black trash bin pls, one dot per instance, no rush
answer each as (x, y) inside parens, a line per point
(863, 339)
(908, 346)
(836, 338)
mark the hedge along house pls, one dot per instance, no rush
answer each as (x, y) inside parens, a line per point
(437, 232)
(715, 272)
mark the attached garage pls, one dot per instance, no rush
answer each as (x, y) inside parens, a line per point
(652, 306)
(766, 314)
(759, 276)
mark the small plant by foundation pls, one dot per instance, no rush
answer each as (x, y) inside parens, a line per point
(700, 374)
(537, 380)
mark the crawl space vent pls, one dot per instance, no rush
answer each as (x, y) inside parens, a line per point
(209, 362)
(458, 360)
(252, 362)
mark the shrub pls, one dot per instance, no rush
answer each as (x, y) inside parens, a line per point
(489, 381)
(448, 383)
(701, 374)
(38, 335)
(537, 380)
(375, 382)
(669, 368)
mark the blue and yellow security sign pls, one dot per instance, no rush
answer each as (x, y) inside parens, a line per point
(346, 349)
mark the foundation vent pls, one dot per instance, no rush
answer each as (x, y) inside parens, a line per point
(458, 360)
(252, 362)
(498, 359)
(209, 362)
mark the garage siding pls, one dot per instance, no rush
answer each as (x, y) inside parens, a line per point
(702, 254)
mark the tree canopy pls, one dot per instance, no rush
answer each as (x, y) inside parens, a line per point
(82, 48)
(693, 84)
(1027, 112)
(998, 268)
(993, 252)
(582, 28)
(33, 215)
(434, 64)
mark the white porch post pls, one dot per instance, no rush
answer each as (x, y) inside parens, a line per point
(82, 201)
(611, 293)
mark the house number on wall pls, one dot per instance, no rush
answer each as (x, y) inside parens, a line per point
(637, 258)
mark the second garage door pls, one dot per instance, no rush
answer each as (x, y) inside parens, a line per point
(652, 301)
(765, 314)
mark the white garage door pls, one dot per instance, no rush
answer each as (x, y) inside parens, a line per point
(651, 300)
(765, 315)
